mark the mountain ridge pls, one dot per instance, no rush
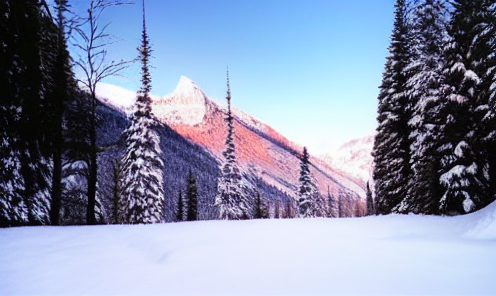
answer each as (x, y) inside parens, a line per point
(263, 154)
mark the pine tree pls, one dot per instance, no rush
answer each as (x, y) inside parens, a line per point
(485, 113)
(27, 57)
(61, 93)
(309, 200)
(462, 158)
(180, 208)
(391, 145)
(192, 198)
(331, 204)
(261, 209)
(370, 202)
(424, 88)
(141, 164)
(230, 200)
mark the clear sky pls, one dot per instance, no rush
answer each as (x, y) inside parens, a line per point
(310, 69)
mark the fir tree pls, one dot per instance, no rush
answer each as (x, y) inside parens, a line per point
(309, 201)
(61, 94)
(370, 202)
(261, 210)
(463, 159)
(424, 88)
(141, 164)
(391, 145)
(331, 204)
(230, 200)
(180, 207)
(192, 198)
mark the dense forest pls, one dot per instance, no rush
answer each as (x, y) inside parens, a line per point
(435, 148)
(68, 159)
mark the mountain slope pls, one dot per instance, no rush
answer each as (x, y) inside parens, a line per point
(268, 161)
(354, 160)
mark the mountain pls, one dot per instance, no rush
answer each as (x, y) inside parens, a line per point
(354, 160)
(268, 161)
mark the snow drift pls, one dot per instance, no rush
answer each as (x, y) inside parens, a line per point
(384, 255)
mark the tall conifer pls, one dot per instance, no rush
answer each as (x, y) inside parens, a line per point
(391, 145)
(142, 166)
(230, 200)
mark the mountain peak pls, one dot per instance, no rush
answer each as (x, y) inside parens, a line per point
(186, 105)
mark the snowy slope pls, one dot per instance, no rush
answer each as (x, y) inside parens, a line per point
(354, 159)
(385, 255)
(264, 155)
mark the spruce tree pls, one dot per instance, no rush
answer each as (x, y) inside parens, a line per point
(192, 198)
(261, 209)
(391, 145)
(463, 161)
(180, 207)
(309, 201)
(331, 204)
(27, 57)
(141, 164)
(230, 200)
(425, 91)
(370, 202)
(62, 92)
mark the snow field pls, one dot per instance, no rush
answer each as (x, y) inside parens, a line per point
(385, 255)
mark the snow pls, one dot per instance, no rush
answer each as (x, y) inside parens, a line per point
(384, 255)
(186, 105)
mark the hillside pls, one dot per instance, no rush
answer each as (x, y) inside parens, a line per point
(379, 255)
(354, 160)
(268, 161)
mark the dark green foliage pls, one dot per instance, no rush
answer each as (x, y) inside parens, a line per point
(180, 207)
(370, 202)
(192, 199)
(261, 209)
(391, 145)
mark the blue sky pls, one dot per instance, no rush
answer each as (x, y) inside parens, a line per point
(310, 69)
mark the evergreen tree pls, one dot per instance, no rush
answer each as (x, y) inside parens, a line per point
(331, 204)
(230, 200)
(180, 208)
(463, 160)
(424, 88)
(309, 200)
(261, 210)
(192, 198)
(141, 164)
(370, 202)
(61, 93)
(27, 57)
(391, 145)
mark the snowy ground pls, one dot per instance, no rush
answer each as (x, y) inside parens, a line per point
(387, 255)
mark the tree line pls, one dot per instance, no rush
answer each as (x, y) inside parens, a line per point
(435, 147)
(49, 125)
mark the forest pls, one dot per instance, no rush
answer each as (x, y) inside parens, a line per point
(68, 159)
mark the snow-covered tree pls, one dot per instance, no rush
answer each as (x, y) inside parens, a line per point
(192, 198)
(391, 146)
(463, 162)
(230, 200)
(331, 205)
(142, 186)
(309, 200)
(370, 202)
(424, 88)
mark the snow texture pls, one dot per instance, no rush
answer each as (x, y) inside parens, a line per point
(186, 105)
(412, 255)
